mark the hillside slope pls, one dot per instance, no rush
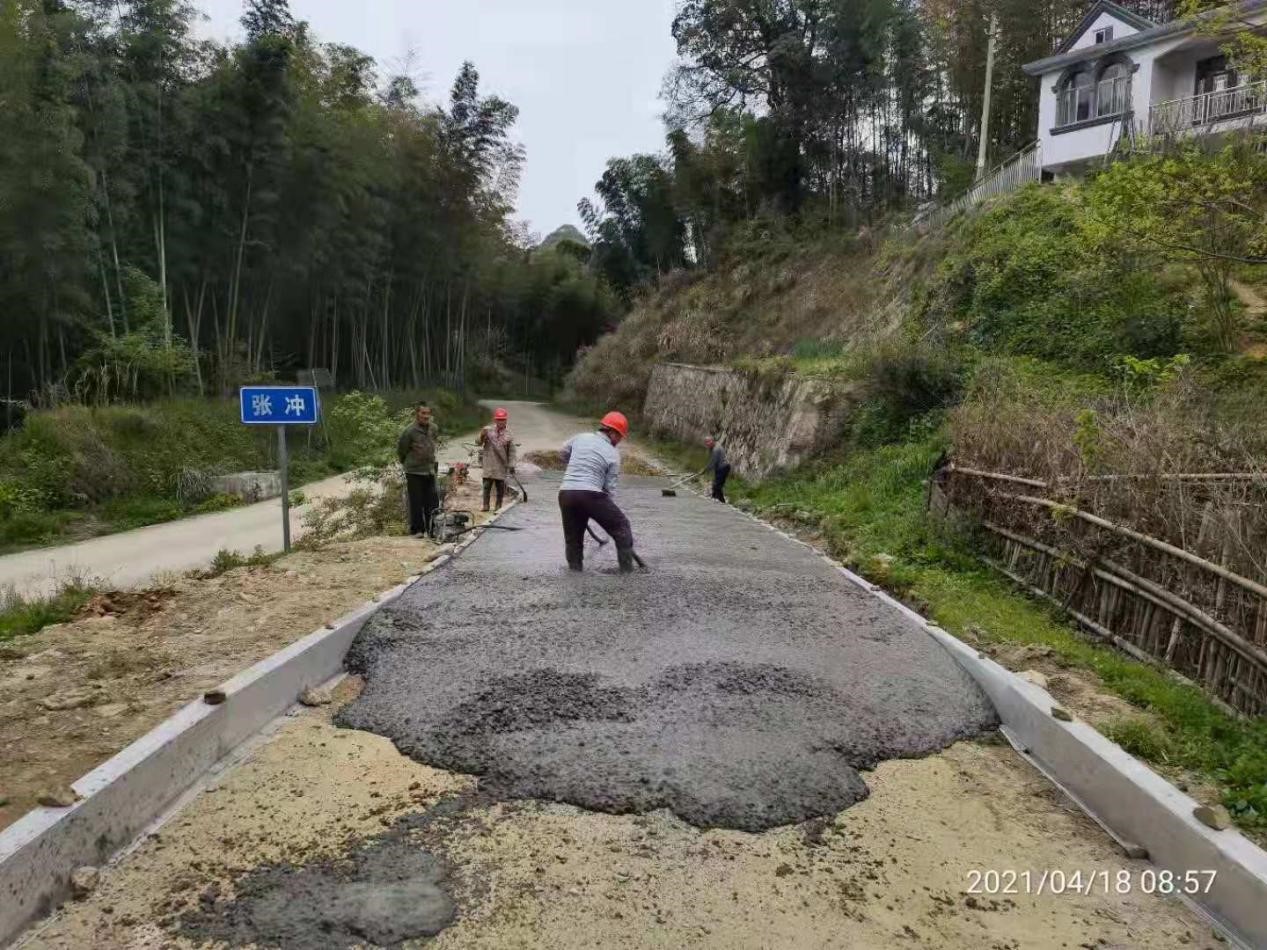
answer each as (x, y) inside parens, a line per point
(1040, 337)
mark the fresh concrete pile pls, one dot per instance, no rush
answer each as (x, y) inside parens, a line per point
(739, 686)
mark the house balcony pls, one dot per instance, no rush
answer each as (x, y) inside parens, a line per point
(1212, 112)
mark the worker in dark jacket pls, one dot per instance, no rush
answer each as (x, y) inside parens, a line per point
(718, 465)
(416, 450)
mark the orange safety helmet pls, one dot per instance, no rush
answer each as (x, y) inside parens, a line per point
(617, 422)
(501, 415)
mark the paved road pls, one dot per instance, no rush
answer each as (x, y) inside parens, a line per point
(743, 683)
(133, 558)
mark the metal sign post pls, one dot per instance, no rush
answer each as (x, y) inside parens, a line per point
(281, 406)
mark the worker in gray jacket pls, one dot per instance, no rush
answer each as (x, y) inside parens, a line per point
(718, 465)
(593, 467)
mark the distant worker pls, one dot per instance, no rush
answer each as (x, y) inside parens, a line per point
(498, 458)
(416, 450)
(718, 465)
(593, 467)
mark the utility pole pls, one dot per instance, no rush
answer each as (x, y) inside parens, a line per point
(983, 150)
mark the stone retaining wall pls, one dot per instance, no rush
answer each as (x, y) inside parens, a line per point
(766, 426)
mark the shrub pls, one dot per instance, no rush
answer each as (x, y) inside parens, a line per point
(1027, 277)
(226, 560)
(902, 385)
(360, 431)
(220, 502)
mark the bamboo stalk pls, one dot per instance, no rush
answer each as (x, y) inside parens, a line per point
(1156, 544)
(1151, 591)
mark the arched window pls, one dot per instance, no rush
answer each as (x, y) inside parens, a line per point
(1113, 91)
(1076, 98)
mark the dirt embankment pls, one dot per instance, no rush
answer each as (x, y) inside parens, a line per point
(75, 694)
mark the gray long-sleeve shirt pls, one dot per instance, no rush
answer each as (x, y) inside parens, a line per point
(593, 464)
(716, 460)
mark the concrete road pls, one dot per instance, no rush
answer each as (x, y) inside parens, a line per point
(134, 558)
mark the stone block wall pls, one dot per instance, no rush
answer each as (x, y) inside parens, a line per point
(766, 426)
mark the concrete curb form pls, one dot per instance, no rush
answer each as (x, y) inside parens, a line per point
(123, 795)
(1135, 805)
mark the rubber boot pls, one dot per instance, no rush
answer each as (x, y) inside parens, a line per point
(625, 558)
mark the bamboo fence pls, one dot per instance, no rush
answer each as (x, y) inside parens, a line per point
(1186, 606)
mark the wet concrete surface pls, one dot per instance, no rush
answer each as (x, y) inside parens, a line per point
(742, 683)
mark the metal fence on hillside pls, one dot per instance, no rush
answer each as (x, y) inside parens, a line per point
(1024, 167)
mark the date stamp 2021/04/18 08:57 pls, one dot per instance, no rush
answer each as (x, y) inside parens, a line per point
(1087, 881)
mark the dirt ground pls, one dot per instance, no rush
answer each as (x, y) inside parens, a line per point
(891, 871)
(75, 694)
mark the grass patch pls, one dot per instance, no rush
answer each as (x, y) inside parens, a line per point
(25, 529)
(869, 508)
(226, 560)
(22, 616)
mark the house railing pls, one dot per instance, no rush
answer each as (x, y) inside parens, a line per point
(1194, 112)
(1017, 171)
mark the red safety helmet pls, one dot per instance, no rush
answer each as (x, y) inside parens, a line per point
(501, 415)
(617, 422)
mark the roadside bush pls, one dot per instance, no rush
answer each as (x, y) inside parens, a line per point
(360, 430)
(1026, 277)
(902, 385)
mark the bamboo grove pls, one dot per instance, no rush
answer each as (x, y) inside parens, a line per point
(177, 212)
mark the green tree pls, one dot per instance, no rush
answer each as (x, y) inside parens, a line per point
(1196, 208)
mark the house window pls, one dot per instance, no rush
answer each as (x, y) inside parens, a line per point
(1076, 102)
(1104, 36)
(1113, 91)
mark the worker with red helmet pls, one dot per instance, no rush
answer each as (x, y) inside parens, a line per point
(593, 467)
(498, 456)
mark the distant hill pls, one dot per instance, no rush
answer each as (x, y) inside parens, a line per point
(565, 233)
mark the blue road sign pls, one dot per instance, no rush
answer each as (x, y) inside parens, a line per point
(280, 406)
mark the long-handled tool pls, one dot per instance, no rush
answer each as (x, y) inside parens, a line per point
(483, 527)
(603, 541)
(671, 491)
(520, 485)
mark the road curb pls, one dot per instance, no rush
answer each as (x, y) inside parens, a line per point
(1131, 802)
(123, 795)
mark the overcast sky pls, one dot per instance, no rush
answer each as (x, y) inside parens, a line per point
(585, 74)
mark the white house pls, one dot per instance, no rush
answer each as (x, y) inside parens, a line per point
(1122, 74)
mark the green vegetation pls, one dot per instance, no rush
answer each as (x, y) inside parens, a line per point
(82, 470)
(226, 560)
(21, 616)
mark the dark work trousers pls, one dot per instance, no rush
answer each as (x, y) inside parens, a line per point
(719, 482)
(423, 501)
(578, 507)
(489, 485)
